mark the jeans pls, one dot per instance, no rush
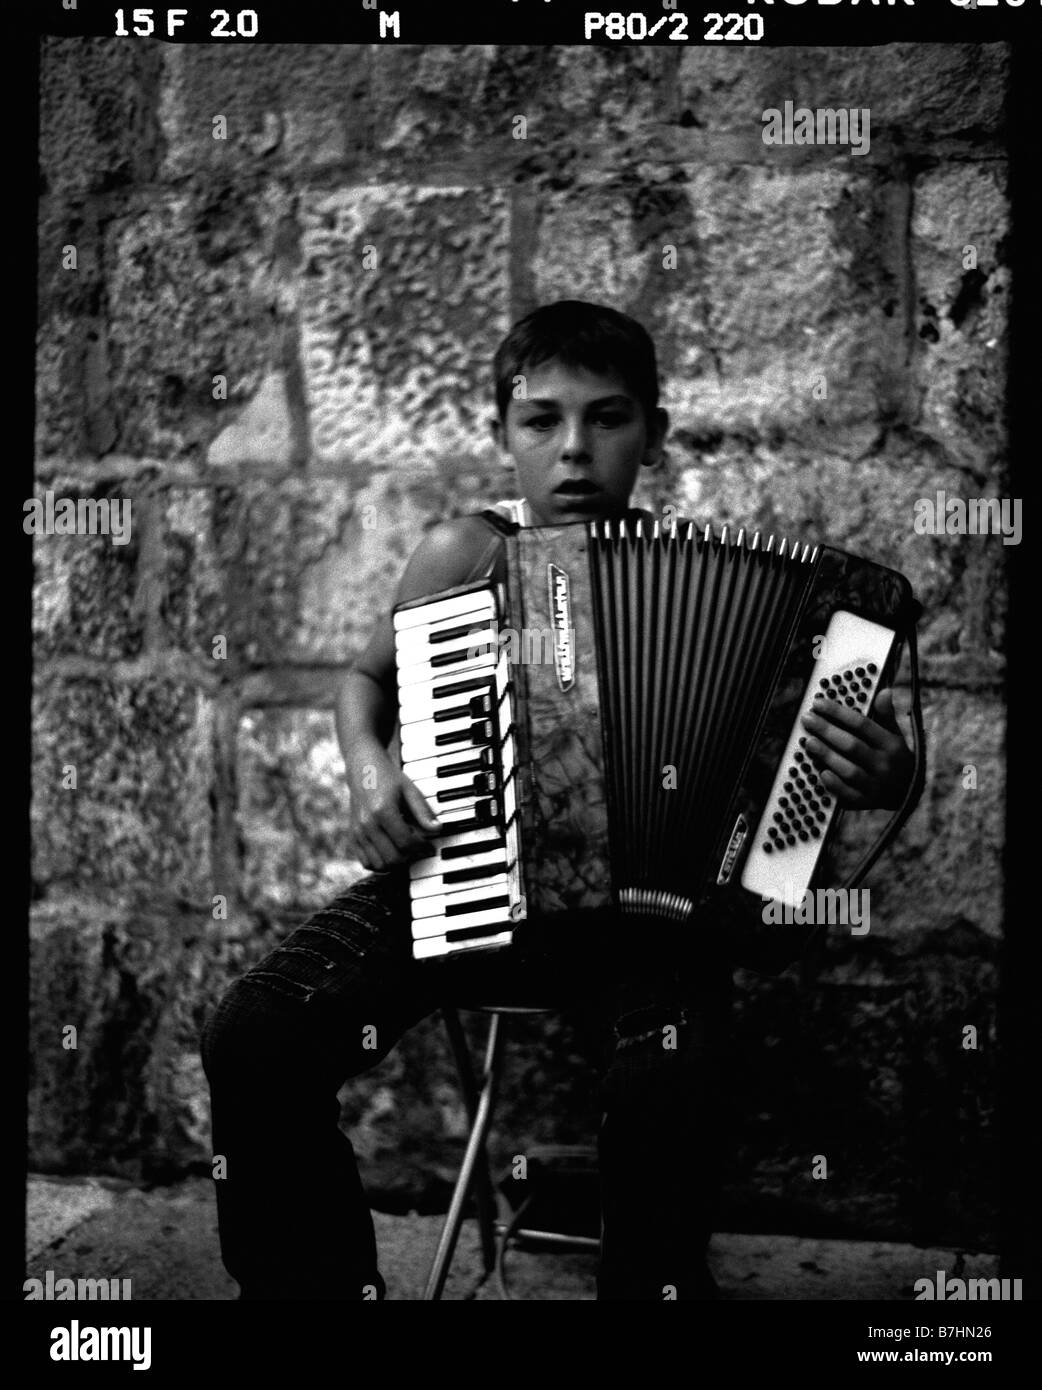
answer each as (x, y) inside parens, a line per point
(293, 1217)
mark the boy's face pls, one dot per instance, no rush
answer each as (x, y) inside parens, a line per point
(578, 441)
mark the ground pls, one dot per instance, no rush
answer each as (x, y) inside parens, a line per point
(165, 1240)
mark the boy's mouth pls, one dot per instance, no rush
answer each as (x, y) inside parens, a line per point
(576, 487)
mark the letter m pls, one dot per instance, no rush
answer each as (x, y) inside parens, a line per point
(983, 1288)
(834, 901)
(833, 126)
(537, 646)
(389, 22)
(92, 1288)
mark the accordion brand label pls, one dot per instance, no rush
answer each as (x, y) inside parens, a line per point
(561, 621)
(734, 845)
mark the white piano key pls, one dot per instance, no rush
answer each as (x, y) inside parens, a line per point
(436, 869)
(439, 926)
(479, 646)
(423, 671)
(417, 638)
(440, 946)
(483, 840)
(424, 889)
(469, 734)
(478, 600)
(472, 760)
(432, 786)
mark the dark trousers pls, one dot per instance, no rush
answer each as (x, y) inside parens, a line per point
(293, 1217)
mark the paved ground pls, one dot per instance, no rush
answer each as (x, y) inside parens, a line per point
(165, 1241)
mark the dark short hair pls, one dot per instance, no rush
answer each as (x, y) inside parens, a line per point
(579, 334)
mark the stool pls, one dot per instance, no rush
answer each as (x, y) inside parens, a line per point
(495, 1234)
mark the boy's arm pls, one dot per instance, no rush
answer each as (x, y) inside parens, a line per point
(390, 821)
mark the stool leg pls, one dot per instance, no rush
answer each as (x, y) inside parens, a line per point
(483, 1189)
(472, 1157)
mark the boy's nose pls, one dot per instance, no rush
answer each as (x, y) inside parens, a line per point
(575, 442)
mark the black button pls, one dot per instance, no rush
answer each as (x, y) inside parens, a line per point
(859, 670)
(790, 839)
(767, 848)
(872, 668)
(804, 836)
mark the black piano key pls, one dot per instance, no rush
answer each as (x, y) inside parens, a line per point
(478, 764)
(483, 782)
(478, 734)
(480, 847)
(465, 875)
(449, 634)
(462, 654)
(484, 905)
(442, 692)
(481, 704)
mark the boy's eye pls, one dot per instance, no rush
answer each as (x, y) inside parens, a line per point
(540, 422)
(612, 419)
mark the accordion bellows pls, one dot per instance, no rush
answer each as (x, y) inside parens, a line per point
(618, 725)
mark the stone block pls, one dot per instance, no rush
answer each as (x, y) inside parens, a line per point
(925, 91)
(137, 825)
(439, 103)
(287, 107)
(197, 289)
(293, 809)
(98, 124)
(89, 594)
(397, 358)
(784, 307)
(129, 1098)
(961, 215)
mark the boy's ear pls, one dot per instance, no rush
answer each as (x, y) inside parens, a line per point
(657, 432)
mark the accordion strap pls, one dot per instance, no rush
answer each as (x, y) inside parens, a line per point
(915, 788)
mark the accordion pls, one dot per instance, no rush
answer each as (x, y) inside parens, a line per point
(617, 726)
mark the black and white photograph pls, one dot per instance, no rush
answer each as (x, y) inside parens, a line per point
(522, 536)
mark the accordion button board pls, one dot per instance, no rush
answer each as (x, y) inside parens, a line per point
(799, 812)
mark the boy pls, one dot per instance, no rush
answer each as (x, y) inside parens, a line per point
(294, 1221)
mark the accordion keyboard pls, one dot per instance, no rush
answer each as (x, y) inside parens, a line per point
(455, 700)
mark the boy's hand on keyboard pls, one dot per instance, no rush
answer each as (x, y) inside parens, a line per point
(862, 760)
(390, 820)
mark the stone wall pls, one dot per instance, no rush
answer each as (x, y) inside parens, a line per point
(355, 409)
